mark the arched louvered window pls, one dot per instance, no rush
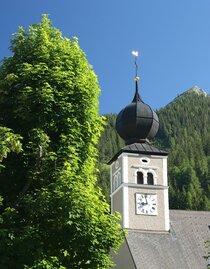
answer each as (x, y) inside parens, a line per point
(150, 179)
(140, 178)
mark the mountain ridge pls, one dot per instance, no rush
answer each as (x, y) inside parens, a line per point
(193, 90)
(197, 90)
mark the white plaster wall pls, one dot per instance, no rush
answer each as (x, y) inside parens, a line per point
(147, 222)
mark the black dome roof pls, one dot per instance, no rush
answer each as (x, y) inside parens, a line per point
(137, 121)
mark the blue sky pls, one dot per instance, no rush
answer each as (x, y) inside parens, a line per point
(172, 37)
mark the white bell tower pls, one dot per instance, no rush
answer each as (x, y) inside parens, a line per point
(139, 188)
(139, 183)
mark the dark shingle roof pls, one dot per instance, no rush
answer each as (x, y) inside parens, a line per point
(182, 248)
(139, 148)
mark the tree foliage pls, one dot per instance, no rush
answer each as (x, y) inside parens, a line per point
(9, 142)
(109, 144)
(52, 214)
(207, 257)
(184, 131)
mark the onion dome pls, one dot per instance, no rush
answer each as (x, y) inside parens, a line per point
(137, 122)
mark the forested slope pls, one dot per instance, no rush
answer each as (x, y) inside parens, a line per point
(185, 133)
(108, 146)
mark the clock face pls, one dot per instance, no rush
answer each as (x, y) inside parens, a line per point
(146, 204)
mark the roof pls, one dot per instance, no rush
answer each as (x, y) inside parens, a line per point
(137, 121)
(181, 248)
(139, 148)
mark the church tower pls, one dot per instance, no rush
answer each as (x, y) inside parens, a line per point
(139, 183)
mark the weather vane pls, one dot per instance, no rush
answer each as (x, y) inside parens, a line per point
(136, 54)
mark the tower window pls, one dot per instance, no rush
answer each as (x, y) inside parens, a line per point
(145, 160)
(140, 178)
(150, 179)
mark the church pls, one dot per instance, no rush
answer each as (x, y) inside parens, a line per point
(155, 237)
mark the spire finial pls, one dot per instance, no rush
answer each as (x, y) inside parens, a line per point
(136, 54)
(136, 78)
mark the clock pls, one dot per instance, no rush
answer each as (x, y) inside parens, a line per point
(146, 204)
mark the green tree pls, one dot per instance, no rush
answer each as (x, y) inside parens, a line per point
(207, 257)
(184, 132)
(109, 144)
(52, 213)
(9, 142)
(103, 179)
